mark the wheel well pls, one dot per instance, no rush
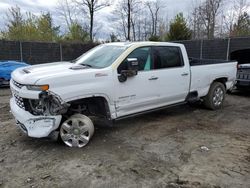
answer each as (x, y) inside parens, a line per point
(222, 80)
(92, 106)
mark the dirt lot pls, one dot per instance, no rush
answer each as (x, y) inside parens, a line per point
(161, 149)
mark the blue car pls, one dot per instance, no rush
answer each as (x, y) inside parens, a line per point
(6, 68)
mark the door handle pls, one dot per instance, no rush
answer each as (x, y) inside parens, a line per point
(184, 74)
(153, 78)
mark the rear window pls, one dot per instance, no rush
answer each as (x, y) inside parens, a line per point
(167, 57)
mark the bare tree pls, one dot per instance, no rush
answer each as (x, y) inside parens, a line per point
(241, 6)
(230, 18)
(154, 8)
(197, 24)
(127, 12)
(208, 12)
(68, 11)
(91, 7)
(124, 11)
(205, 18)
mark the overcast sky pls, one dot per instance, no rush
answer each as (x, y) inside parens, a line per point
(103, 17)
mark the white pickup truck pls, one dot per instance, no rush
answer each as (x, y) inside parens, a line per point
(111, 82)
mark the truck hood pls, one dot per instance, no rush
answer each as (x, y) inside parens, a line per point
(32, 74)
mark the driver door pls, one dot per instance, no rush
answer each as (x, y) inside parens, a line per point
(138, 93)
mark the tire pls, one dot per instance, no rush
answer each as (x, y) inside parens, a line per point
(76, 131)
(215, 98)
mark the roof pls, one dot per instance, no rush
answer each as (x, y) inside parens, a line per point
(144, 43)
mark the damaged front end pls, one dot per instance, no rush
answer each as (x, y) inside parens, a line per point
(48, 104)
(39, 117)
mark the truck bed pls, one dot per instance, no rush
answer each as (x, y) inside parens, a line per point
(205, 71)
(196, 61)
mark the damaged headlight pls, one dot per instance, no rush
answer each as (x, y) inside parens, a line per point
(47, 104)
(38, 87)
(36, 106)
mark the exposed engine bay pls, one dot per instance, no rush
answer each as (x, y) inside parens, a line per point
(48, 104)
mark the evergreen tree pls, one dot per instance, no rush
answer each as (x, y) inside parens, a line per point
(178, 29)
(45, 28)
(76, 34)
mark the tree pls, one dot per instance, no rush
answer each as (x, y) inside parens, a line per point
(127, 12)
(46, 30)
(205, 18)
(154, 8)
(31, 32)
(208, 13)
(179, 29)
(29, 27)
(233, 18)
(242, 27)
(68, 10)
(154, 38)
(91, 7)
(197, 24)
(113, 38)
(76, 34)
(15, 23)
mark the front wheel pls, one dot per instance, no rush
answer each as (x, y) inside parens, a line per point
(216, 96)
(77, 131)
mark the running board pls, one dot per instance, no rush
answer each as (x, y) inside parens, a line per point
(149, 111)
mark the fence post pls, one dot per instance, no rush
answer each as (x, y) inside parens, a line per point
(21, 50)
(61, 56)
(201, 49)
(228, 47)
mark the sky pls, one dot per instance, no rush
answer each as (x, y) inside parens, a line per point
(103, 17)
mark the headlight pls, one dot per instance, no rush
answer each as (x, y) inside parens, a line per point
(38, 88)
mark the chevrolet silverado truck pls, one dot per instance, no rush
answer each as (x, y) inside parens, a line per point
(111, 82)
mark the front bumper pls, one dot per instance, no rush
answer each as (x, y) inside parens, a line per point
(34, 126)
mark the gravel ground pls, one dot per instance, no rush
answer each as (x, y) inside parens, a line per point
(181, 147)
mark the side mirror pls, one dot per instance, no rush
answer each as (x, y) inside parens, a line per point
(132, 69)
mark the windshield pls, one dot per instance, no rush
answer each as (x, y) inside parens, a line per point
(101, 56)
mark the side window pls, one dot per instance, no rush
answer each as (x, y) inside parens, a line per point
(167, 57)
(143, 56)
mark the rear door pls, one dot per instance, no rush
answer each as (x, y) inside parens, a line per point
(173, 75)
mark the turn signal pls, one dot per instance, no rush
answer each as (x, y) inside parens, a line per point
(38, 87)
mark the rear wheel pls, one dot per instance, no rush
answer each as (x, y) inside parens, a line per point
(77, 131)
(216, 96)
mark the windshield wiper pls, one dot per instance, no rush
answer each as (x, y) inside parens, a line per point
(87, 65)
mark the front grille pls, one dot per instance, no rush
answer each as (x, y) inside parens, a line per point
(19, 101)
(17, 84)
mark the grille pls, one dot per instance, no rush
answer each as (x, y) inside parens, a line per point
(19, 101)
(17, 84)
(243, 76)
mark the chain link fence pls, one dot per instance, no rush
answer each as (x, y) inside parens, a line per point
(41, 52)
(216, 48)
